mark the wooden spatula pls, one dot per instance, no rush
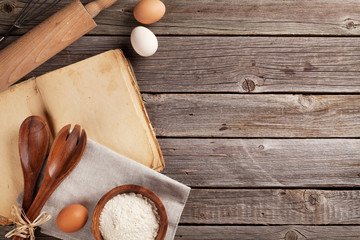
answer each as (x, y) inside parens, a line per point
(47, 39)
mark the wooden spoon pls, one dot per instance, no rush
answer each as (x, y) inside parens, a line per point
(65, 154)
(34, 142)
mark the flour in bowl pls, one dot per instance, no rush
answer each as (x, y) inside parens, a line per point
(129, 216)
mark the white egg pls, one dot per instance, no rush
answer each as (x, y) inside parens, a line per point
(144, 41)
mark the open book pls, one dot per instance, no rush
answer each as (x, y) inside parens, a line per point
(100, 94)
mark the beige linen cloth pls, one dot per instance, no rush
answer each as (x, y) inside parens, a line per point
(101, 170)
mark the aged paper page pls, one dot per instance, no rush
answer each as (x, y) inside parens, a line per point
(16, 104)
(100, 95)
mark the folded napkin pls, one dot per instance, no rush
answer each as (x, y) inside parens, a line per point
(99, 171)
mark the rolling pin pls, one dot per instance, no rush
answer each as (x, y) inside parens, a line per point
(47, 39)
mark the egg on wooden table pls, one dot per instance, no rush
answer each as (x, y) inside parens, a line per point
(143, 41)
(149, 11)
(72, 218)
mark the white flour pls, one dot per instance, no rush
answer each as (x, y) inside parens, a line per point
(129, 216)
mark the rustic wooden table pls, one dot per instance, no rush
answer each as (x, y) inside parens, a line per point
(256, 106)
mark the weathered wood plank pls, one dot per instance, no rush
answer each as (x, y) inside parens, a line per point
(272, 206)
(251, 64)
(246, 115)
(290, 232)
(246, 17)
(218, 64)
(297, 232)
(255, 163)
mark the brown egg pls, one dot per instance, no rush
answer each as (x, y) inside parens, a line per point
(72, 218)
(149, 11)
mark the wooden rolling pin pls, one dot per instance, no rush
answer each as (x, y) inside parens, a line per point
(47, 39)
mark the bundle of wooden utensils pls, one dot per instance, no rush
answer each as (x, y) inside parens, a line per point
(65, 153)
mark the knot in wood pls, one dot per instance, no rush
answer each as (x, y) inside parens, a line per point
(223, 127)
(291, 235)
(311, 103)
(308, 67)
(314, 201)
(351, 23)
(7, 7)
(306, 101)
(248, 85)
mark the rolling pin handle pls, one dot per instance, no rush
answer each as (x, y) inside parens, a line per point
(95, 7)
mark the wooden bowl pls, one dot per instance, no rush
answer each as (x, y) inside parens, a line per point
(128, 189)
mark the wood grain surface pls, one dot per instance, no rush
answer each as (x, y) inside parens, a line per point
(316, 163)
(248, 17)
(221, 64)
(272, 206)
(246, 115)
(295, 232)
